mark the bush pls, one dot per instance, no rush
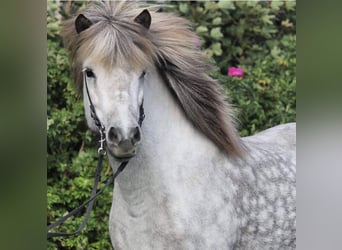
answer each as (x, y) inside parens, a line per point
(258, 37)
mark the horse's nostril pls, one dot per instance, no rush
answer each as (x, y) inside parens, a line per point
(117, 137)
(136, 136)
(113, 135)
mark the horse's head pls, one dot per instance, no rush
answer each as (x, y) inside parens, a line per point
(116, 91)
(117, 96)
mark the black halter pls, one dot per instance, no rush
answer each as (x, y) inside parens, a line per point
(102, 152)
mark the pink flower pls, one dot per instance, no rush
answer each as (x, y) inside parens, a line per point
(235, 71)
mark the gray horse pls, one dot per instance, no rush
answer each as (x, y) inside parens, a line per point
(191, 181)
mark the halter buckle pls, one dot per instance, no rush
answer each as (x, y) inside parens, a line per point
(101, 150)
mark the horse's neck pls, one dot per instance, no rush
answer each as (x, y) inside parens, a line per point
(163, 192)
(172, 150)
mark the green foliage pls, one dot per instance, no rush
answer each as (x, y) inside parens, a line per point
(259, 37)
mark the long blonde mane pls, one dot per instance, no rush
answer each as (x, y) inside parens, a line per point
(169, 44)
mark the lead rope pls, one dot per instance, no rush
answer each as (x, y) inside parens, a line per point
(102, 152)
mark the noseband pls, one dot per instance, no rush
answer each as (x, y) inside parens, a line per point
(102, 152)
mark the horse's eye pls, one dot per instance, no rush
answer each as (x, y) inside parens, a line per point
(89, 73)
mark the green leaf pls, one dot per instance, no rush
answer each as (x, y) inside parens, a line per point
(184, 8)
(217, 50)
(267, 19)
(201, 29)
(210, 6)
(216, 33)
(49, 123)
(275, 51)
(199, 9)
(217, 21)
(275, 5)
(290, 5)
(228, 5)
(53, 26)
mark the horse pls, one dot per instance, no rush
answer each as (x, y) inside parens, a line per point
(191, 181)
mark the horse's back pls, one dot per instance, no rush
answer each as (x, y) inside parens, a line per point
(283, 135)
(266, 198)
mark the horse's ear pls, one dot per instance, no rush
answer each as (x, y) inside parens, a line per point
(82, 23)
(144, 18)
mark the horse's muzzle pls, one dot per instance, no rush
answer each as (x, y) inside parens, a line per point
(122, 154)
(122, 145)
